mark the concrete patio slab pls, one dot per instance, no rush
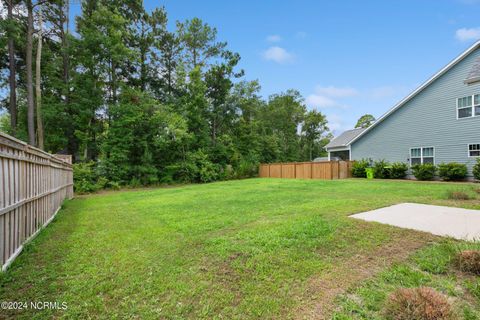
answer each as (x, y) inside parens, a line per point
(458, 223)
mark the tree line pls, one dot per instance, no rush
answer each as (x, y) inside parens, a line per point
(138, 102)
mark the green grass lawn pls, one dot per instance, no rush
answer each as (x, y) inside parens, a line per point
(250, 249)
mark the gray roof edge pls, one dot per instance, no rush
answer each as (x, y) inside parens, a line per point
(450, 65)
(345, 137)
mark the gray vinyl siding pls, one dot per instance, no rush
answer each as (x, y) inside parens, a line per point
(428, 120)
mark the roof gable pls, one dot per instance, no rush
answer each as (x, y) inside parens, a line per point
(345, 138)
(422, 87)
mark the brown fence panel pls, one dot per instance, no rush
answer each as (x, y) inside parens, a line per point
(307, 170)
(321, 170)
(33, 185)
(345, 169)
(335, 167)
(275, 170)
(263, 171)
(303, 170)
(288, 170)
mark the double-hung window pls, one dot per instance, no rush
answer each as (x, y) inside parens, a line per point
(474, 150)
(468, 106)
(422, 155)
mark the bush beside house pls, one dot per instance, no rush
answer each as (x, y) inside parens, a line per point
(399, 170)
(452, 171)
(358, 168)
(425, 171)
(476, 170)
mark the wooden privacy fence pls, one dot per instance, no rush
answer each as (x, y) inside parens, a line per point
(33, 185)
(307, 170)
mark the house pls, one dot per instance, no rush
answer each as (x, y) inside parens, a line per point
(438, 122)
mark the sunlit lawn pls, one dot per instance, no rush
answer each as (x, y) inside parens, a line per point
(258, 248)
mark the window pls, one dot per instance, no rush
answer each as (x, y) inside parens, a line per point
(474, 150)
(422, 155)
(468, 106)
(415, 156)
(476, 103)
(464, 106)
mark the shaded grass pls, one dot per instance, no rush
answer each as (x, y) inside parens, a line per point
(239, 249)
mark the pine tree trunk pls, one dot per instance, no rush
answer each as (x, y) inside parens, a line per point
(12, 78)
(28, 62)
(38, 88)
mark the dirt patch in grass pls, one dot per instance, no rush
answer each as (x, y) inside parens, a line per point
(321, 291)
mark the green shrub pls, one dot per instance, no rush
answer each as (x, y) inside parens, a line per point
(382, 169)
(209, 172)
(246, 169)
(358, 168)
(170, 173)
(476, 170)
(113, 185)
(399, 170)
(198, 168)
(86, 178)
(452, 171)
(424, 171)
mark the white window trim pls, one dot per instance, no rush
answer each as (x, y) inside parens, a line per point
(471, 107)
(421, 154)
(468, 150)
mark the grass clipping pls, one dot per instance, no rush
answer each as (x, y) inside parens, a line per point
(422, 303)
(469, 261)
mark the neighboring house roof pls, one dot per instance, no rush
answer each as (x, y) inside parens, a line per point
(419, 89)
(345, 138)
(474, 74)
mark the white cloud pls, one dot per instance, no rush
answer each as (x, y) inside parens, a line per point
(326, 97)
(336, 124)
(319, 101)
(468, 34)
(278, 55)
(336, 92)
(274, 38)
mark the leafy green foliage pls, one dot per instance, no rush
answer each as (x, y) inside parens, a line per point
(452, 171)
(476, 169)
(358, 168)
(86, 178)
(365, 121)
(151, 105)
(398, 170)
(425, 171)
(382, 169)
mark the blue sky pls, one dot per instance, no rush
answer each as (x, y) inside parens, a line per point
(347, 58)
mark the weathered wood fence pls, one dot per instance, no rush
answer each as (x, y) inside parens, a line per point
(33, 185)
(307, 170)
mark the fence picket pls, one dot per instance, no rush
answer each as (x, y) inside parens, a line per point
(33, 185)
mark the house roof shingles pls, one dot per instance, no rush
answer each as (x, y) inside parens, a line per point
(344, 139)
(474, 74)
